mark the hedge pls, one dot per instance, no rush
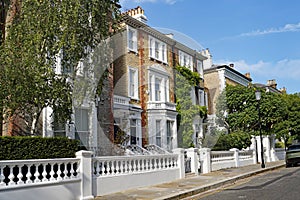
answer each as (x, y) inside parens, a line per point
(21, 148)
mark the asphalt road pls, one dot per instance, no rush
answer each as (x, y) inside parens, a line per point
(282, 184)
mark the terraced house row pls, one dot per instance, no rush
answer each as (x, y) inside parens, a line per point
(137, 104)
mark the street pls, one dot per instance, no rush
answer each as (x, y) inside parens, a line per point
(276, 185)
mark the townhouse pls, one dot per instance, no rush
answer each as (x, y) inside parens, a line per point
(137, 104)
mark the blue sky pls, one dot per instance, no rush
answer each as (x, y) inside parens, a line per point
(259, 36)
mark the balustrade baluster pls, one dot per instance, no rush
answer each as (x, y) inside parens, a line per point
(72, 171)
(104, 168)
(20, 176)
(28, 175)
(98, 170)
(135, 165)
(59, 172)
(113, 167)
(36, 174)
(2, 177)
(143, 164)
(118, 166)
(52, 173)
(44, 173)
(122, 165)
(11, 176)
(65, 171)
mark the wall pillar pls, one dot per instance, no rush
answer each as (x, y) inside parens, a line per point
(85, 170)
(180, 161)
(236, 157)
(195, 161)
(254, 148)
(205, 160)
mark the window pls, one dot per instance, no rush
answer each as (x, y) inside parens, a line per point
(200, 68)
(132, 39)
(158, 85)
(82, 126)
(158, 89)
(169, 134)
(201, 98)
(59, 128)
(133, 132)
(158, 133)
(157, 50)
(133, 83)
(186, 60)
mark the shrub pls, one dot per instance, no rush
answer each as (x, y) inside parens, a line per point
(237, 140)
(19, 148)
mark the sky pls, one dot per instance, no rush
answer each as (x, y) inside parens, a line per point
(258, 36)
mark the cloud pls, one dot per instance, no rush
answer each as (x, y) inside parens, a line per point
(286, 72)
(286, 28)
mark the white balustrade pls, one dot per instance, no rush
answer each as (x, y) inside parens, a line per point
(121, 100)
(221, 156)
(245, 155)
(115, 165)
(161, 105)
(24, 172)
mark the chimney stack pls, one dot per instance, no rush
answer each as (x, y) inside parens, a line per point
(137, 13)
(272, 83)
(248, 75)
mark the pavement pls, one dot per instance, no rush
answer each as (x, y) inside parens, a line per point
(192, 184)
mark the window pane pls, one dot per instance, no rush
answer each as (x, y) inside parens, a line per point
(133, 134)
(156, 50)
(158, 133)
(157, 89)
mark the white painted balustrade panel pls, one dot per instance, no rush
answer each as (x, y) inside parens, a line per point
(27, 172)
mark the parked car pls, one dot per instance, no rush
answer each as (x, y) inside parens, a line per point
(292, 155)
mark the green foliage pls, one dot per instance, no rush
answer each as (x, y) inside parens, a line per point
(192, 77)
(20, 148)
(39, 33)
(237, 140)
(242, 109)
(187, 112)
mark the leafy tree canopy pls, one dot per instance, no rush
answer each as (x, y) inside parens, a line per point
(39, 33)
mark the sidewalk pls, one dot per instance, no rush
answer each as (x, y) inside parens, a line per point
(192, 185)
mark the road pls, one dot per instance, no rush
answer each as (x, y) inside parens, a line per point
(282, 184)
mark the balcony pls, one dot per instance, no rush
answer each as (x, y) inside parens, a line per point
(161, 106)
(121, 101)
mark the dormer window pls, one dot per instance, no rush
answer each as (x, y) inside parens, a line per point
(131, 39)
(157, 50)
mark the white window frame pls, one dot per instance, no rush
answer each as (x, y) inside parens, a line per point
(200, 68)
(169, 134)
(133, 84)
(164, 93)
(132, 40)
(158, 133)
(159, 74)
(158, 50)
(185, 60)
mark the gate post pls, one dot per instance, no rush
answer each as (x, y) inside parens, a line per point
(85, 170)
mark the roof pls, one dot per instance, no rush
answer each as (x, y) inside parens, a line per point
(161, 36)
(231, 69)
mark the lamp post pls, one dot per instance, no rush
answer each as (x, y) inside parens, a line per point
(258, 97)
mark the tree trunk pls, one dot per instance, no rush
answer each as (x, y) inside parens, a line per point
(13, 10)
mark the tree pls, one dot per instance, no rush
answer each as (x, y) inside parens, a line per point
(241, 107)
(36, 34)
(289, 127)
(185, 81)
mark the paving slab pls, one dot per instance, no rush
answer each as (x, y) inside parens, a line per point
(192, 184)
